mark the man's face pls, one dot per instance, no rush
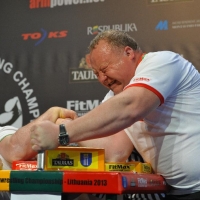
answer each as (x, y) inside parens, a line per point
(112, 66)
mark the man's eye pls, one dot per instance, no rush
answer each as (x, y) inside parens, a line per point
(104, 70)
(96, 73)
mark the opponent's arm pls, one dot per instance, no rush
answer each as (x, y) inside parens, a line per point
(18, 147)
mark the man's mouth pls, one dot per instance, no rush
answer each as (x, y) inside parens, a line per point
(111, 83)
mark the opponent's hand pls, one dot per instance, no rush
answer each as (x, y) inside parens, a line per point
(54, 113)
(63, 121)
(44, 135)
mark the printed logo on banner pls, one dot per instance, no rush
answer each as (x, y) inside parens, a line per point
(83, 73)
(82, 107)
(94, 30)
(190, 23)
(142, 182)
(12, 113)
(162, 25)
(18, 97)
(153, 2)
(155, 182)
(124, 182)
(54, 3)
(41, 36)
(62, 160)
(86, 159)
(132, 183)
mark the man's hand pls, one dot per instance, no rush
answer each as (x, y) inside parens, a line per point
(44, 136)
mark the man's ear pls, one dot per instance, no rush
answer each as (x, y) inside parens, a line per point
(129, 52)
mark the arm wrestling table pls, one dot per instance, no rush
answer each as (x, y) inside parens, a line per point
(57, 182)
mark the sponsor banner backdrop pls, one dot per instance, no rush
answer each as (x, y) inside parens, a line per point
(43, 48)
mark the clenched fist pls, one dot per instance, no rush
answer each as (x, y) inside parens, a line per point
(44, 136)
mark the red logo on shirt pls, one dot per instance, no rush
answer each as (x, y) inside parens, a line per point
(141, 79)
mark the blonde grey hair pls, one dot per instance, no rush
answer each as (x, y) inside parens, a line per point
(115, 38)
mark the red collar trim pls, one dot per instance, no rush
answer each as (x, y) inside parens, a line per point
(140, 59)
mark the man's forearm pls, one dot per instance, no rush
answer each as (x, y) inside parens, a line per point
(103, 121)
(114, 115)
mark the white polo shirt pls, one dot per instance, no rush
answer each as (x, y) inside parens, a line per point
(169, 137)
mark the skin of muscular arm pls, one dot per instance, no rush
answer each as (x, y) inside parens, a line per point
(114, 115)
(18, 147)
(117, 147)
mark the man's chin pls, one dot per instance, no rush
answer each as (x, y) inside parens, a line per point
(117, 90)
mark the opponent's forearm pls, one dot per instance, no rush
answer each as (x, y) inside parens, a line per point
(17, 146)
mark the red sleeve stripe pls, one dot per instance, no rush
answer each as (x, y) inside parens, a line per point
(149, 88)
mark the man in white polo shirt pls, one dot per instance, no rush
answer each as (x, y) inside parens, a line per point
(160, 88)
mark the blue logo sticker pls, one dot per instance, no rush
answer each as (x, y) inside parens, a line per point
(124, 182)
(162, 25)
(86, 159)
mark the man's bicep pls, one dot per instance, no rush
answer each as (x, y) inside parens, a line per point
(140, 101)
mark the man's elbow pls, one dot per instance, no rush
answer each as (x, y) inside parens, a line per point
(119, 156)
